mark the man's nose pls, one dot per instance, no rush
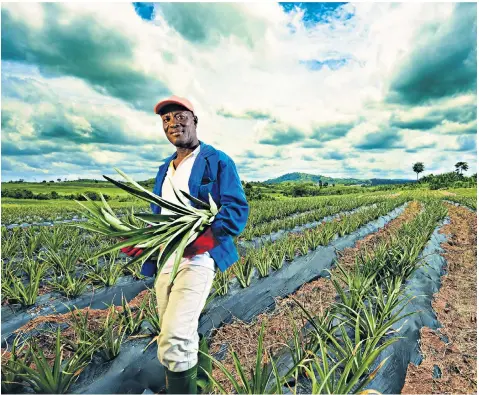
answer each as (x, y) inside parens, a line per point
(173, 123)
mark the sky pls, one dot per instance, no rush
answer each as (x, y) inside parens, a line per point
(361, 90)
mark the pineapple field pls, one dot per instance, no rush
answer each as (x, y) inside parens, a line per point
(359, 293)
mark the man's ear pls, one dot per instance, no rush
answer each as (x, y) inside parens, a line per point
(195, 120)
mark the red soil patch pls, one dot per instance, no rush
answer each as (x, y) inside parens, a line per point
(455, 306)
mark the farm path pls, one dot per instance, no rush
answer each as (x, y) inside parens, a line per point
(449, 354)
(315, 296)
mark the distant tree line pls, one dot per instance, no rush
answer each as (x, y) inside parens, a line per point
(449, 180)
(453, 179)
(253, 193)
(27, 194)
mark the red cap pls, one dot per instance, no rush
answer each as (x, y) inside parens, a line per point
(174, 100)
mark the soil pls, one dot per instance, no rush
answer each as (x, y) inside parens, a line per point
(46, 341)
(315, 296)
(450, 352)
(44, 290)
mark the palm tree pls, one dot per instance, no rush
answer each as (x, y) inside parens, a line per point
(461, 166)
(417, 168)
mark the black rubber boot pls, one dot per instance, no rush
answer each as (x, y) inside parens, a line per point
(181, 382)
(204, 363)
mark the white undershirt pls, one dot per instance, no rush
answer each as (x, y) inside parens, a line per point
(180, 178)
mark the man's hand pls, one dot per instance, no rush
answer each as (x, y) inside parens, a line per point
(203, 243)
(130, 251)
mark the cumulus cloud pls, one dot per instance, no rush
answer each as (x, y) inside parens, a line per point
(331, 132)
(72, 40)
(449, 116)
(464, 144)
(334, 155)
(247, 114)
(40, 128)
(381, 140)
(334, 89)
(443, 61)
(200, 23)
(34, 110)
(276, 133)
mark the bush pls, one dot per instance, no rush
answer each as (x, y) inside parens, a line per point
(255, 194)
(27, 194)
(42, 196)
(299, 190)
(18, 194)
(91, 195)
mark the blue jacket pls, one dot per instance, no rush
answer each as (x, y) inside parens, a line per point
(213, 172)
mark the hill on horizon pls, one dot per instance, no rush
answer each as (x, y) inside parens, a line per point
(306, 177)
(289, 177)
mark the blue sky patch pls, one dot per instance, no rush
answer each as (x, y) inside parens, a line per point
(333, 64)
(144, 10)
(315, 12)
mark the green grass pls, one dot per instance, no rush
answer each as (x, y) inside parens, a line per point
(31, 210)
(67, 188)
(467, 192)
(60, 203)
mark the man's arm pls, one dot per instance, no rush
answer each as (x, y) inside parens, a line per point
(233, 214)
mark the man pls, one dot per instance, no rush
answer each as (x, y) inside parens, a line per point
(199, 169)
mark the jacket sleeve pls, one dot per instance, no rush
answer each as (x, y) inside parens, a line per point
(154, 207)
(233, 213)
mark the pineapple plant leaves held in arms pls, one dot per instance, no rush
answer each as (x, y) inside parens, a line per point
(165, 233)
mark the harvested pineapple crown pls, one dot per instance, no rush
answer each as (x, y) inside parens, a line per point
(164, 233)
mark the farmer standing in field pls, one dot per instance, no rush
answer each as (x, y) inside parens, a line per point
(199, 169)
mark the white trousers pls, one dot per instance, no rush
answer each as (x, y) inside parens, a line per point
(179, 306)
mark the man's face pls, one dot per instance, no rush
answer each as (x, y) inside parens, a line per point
(179, 125)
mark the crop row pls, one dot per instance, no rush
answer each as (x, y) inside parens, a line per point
(29, 212)
(298, 219)
(338, 351)
(61, 274)
(340, 230)
(69, 276)
(264, 211)
(61, 264)
(26, 241)
(26, 212)
(470, 202)
(345, 360)
(272, 255)
(90, 341)
(18, 241)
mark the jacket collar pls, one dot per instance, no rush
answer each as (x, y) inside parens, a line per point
(196, 172)
(205, 151)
